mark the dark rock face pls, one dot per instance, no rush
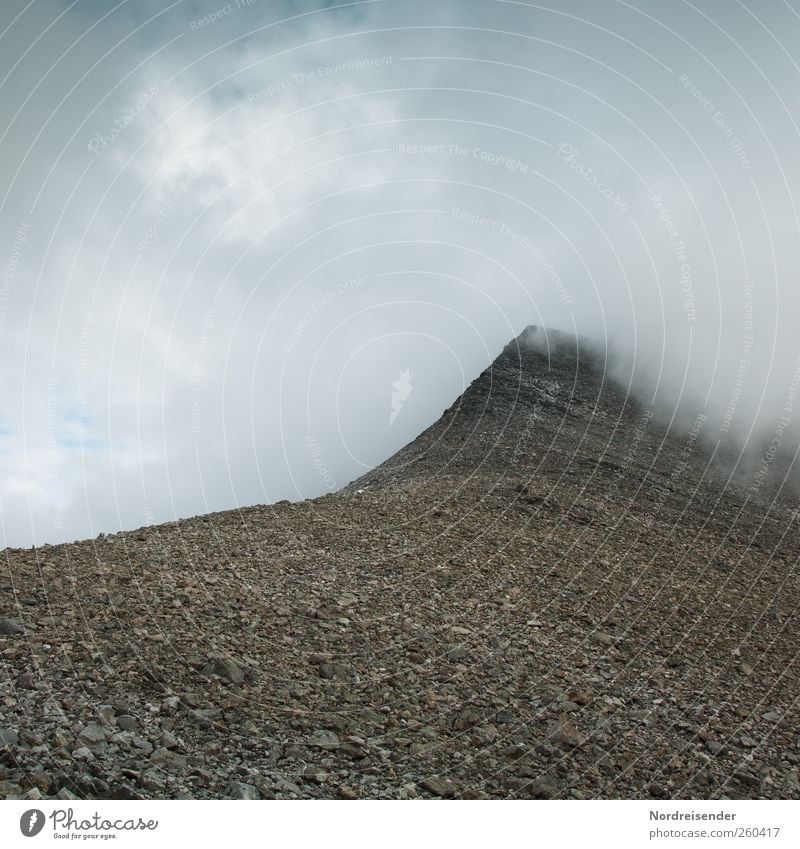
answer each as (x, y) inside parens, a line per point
(546, 595)
(545, 407)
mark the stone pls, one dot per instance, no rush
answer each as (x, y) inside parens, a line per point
(8, 737)
(168, 740)
(579, 696)
(457, 653)
(65, 793)
(714, 747)
(324, 739)
(126, 722)
(439, 787)
(345, 791)
(26, 681)
(93, 733)
(142, 745)
(241, 790)
(11, 627)
(225, 667)
(283, 785)
(160, 756)
(315, 774)
(565, 734)
(603, 639)
(152, 781)
(747, 778)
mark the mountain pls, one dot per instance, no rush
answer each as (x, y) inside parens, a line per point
(551, 593)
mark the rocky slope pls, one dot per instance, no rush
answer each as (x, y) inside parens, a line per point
(548, 594)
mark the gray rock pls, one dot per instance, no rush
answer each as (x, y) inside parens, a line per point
(11, 627)
(324, 739)
(144, 746)
(457, 652)
(345, 791)
(65, 793)
(26, 681)
(282, 785)
(206, 717)
(8, 737)
(439, 786)
(152, 781)
(93, 733)
(565, 734)
(127, 722)
(168, 740)
(241, 790)
(226, 668)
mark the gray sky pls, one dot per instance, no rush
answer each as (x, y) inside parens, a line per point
(230, 234)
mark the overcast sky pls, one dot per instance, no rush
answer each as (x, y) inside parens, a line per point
(230, 234)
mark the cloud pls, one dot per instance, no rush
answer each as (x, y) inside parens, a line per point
(238, 232)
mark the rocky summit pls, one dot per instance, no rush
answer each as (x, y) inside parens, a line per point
(551, 593)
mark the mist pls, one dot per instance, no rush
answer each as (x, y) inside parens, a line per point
(231, 235)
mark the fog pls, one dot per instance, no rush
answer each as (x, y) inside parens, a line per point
(250, 250)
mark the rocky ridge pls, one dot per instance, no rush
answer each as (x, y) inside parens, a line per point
(549, 594)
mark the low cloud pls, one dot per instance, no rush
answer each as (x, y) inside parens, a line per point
(186, 209)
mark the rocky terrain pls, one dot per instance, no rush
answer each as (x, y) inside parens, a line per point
(549, 594)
